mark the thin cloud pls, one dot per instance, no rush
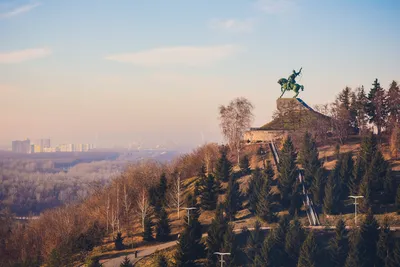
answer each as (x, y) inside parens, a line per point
(178, 55)
(276, 6)
(232, 25)
(19, 10)
(23, 55)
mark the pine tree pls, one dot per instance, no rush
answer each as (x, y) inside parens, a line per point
(118, 242)
(308, 252)
(148, 229)
(126, 263)
(209, 194)
(346, 174)
(332, 203)
(189, 247)
(385, 246)
(215, 237)
(369, 235)
(264, 205)
(359, 107)
(255, 186)
(308, 158)
(224, 167)
(287, 171)
(278, 256)
(317, 187)
(377, 106)
(339, 245)
(245, 165)
(162, 261)
(377, 171)
(295, 200)
(398, 200)
(229, 246)
(396, 254)
(163, 226)
(357, 176)
(55, 259)
(269, 171)
(294, 239)
(369, 146)
(389, 187)
(254, 243)
(233, 198)
(354, 257)
(93, 262)
(365, 191)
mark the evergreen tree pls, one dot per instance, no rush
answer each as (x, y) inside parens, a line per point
(269, 171)
(357, 176)
(189, 247)
(118, 242)
(229, 246)
(389, 187)
(255, 186)
(308, 158)
(339, 245)
(377, 171)
(163, 226)
(233, 197)
(267, 257)
(317, 187)
(385, 246)
(287, 171)
(369, 235)
(396, 254)
(264, 205)
(277, 251)
(354, 257)
(209, 194)
(224, 166)
(393, 105)
(254, 243)
(377, 106)
(294, 239)
(308, 252)
(369, 146)
(162, 190)
(365, 191)
(245, 165)
(162, 261)
(332, 203)
(295, 200)
(359, 107)
(126, 263)
(346, 174)
(148, 229)
(398, 200)
(215, 237)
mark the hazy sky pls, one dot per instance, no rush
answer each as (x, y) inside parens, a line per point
(156, 71)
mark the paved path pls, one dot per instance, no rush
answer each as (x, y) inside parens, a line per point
(115, 262)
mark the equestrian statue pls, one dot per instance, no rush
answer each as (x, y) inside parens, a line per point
(290, 84)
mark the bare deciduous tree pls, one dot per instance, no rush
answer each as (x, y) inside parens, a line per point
(143, 205)
(176, 191)
(235, 120)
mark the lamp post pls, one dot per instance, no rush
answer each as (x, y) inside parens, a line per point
(188, 212)
(355, 207)
(222, 257)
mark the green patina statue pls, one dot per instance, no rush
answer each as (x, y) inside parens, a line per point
(290, 84)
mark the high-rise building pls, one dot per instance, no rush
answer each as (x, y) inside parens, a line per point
(45, 143)
(21, 146)
(78, 147)
(36, 149)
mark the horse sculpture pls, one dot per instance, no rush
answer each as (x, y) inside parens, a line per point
(290, 84)
(286, 86)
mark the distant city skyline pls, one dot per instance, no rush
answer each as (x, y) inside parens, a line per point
(155, 72)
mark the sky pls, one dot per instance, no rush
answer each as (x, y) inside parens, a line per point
(155, 72)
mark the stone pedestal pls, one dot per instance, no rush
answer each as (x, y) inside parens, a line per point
(291, 104)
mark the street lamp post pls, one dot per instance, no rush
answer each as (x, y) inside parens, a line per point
(222, 257)
(188, 212)
(355, 207)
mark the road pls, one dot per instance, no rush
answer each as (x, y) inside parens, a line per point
(115, 262)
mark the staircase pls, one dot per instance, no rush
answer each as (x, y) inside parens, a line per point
(307, 201)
